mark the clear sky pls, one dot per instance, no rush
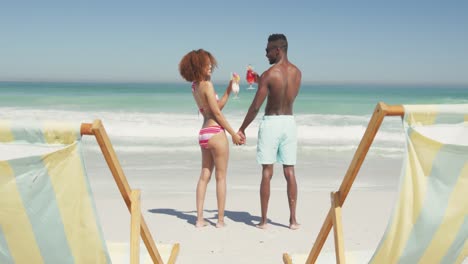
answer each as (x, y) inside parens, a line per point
(143, 41)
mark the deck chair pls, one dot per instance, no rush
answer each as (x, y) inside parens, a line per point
(47, 210)
(429, 223)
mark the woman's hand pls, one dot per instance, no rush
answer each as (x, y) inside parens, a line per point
(243, 137)
(237, 139)
(229, 87)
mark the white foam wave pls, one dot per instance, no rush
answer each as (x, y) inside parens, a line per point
(317, 119)
(340, 134)
(16, 151)
(182, 129)
(150, 149)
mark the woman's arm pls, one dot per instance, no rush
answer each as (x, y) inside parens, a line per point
(209, 94)
(223, 100)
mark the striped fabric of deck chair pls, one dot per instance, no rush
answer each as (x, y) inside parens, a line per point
(47, 210)
(429, 223)
(430, 219)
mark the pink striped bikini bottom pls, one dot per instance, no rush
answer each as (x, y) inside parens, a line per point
(206, 133)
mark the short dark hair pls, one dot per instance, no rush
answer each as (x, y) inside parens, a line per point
(280, 40)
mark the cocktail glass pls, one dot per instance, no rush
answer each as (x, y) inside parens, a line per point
(250, 77)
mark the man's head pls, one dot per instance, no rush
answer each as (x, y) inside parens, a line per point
(276, 48)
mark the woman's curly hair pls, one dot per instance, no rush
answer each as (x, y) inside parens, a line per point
(192, 66)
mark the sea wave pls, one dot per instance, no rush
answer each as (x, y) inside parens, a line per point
(162, 132)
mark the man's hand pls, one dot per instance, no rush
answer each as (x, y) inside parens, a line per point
(243, 138)
(257, 77)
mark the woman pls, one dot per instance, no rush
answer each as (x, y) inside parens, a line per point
(197, 67)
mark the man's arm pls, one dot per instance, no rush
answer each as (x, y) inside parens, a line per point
(257, 102)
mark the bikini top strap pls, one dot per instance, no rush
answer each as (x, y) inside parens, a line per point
(193, 86)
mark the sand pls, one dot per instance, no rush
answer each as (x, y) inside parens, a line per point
(168, 181)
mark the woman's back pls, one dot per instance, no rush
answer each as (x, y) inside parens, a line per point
(201, 92)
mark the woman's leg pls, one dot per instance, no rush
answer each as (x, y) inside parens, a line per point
(205, 175)
(219, 147)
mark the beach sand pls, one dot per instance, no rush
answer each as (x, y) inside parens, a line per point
(168, 180)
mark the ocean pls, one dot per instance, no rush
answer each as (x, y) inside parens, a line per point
(161, 119)
(154, 129)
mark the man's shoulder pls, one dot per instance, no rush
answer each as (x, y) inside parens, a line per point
(272, 70)
(295, 70)
(267, 73)
(281, 70)
(292, 65)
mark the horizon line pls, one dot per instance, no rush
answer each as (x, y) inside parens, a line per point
(315, 82)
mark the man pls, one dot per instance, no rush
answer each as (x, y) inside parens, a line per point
(277, 139)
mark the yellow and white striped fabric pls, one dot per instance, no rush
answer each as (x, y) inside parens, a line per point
(47, 211)
(430, 219)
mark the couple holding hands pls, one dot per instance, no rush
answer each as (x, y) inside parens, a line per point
(277, 136)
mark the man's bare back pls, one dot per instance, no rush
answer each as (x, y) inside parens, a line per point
(283, 81)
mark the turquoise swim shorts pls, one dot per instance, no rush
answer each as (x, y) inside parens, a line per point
(277, 140)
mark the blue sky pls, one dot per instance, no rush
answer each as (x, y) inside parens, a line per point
(143, 41)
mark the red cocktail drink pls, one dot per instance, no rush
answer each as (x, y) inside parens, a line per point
(250, 77)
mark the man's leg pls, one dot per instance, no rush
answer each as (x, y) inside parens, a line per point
(292, 194)
(267, 174)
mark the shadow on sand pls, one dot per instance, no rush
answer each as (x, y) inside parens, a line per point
(236, 216)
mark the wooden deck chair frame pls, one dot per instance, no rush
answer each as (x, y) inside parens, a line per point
(338, 198)
(131, 198)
